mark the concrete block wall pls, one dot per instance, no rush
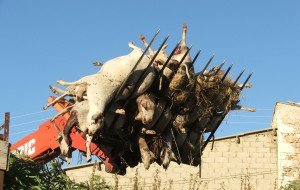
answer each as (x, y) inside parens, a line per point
(244, 160)
(287, 120)
(230, 165)
(176, 177)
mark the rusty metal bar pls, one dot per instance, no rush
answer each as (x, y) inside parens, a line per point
(5, 126)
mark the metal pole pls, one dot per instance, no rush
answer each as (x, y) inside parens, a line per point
(236, 80)
(246, 81)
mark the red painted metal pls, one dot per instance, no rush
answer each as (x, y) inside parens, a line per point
(42, 145)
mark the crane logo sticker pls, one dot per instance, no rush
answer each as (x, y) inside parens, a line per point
(28, 148)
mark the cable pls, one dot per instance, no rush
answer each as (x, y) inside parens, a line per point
(264, 116)
(28, 114)
(187, 181)
(244, 122)
(29, 122)
(22, 132)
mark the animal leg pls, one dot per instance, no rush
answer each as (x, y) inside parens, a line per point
(161, 57)
(88, 149)
(55, 101)
(131, 45)
(142, 37)
(167, 155)
(64, 83)
(247, 85)
(64, 147)
(187, 71)
(183, 40)
(96, 63)
(146, 155)
(56, 91)
(238, 107)
(61, 113)
(248, 109)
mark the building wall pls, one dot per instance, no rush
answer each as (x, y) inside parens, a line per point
(245, 160)
(287, 119)
(265, 159)
(230, 164)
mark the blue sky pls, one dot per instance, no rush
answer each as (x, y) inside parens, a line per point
(43, 41)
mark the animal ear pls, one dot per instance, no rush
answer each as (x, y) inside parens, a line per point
(173, 157)
(138, 117)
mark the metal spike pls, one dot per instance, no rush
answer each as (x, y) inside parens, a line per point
(157, 52)
(207, 64)
(186, 53)
(171, 77)
(152, 60)
(195, 58)
(246, 81)
(144, 73)
(236, 80)
(225, 75)
(220, 67)
(168, 60)
(137, 63)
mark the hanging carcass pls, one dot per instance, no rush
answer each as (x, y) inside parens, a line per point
(166, 106)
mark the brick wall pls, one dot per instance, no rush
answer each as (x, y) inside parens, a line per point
(287, 120)
(248, 159)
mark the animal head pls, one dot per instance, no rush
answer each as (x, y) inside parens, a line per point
(180, 122)
(166, 156)
(161, 57)
(146, 107)
(97, 122)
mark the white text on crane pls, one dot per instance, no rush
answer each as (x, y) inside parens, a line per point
(27, 148)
